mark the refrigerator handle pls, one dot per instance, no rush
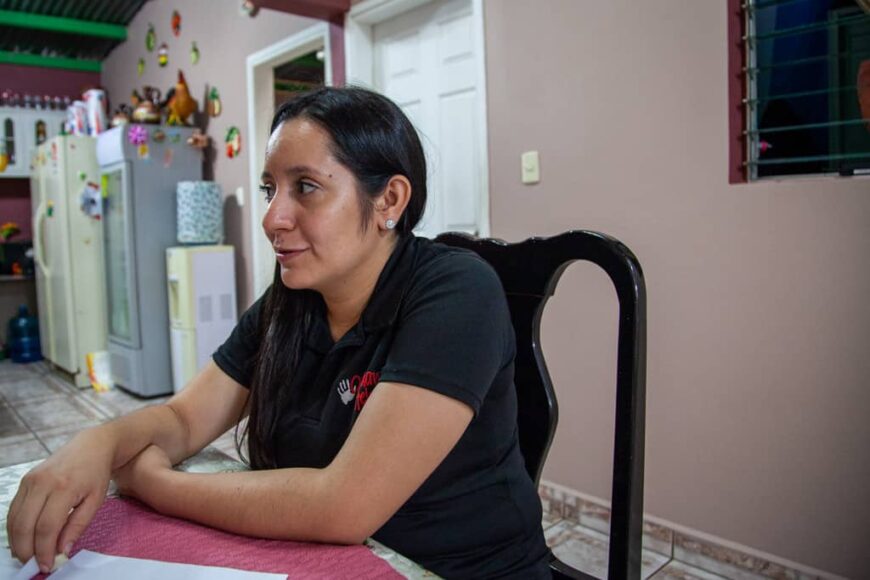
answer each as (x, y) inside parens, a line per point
(39, 241)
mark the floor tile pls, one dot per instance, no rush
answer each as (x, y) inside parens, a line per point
(679, 571)
(57, 437)
(58, 412)
(12, 372)
(117, 402)
(27, 450)
(11, 427)
(549, 520)
(35, 387)
(586, 550)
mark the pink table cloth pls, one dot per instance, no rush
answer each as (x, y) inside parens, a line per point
(124, 527)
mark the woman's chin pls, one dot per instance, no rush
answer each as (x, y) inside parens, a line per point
(294, 281)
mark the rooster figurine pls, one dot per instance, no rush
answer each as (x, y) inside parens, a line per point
(179, 103)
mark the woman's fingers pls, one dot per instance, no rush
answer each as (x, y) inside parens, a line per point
(78, 521)
(22, 524)
(14, 508)
(51, 520)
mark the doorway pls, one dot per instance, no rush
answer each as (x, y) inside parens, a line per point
(274, 74)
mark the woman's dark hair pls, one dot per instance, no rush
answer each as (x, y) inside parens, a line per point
(374, 140)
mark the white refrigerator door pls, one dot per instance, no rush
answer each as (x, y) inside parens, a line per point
(87, 281)
(57, 260)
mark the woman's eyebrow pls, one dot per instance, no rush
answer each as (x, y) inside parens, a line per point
(297, 169)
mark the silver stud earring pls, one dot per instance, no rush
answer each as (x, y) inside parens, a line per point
(390, 224)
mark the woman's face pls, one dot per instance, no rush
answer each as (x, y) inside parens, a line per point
(313, 218)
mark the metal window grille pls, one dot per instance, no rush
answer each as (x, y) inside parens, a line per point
(807, 78)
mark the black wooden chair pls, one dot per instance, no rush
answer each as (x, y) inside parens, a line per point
(529, 272)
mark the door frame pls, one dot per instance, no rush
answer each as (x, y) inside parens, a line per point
(259, 72)
(359, 66)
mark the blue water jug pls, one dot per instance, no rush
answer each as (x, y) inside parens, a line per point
(23, 337)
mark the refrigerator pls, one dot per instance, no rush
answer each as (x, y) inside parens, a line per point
(140, 167)
(201, 282)
(68, 253)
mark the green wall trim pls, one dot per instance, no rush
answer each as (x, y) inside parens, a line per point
(24, 59)
(66, 25)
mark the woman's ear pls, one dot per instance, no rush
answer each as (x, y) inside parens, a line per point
(392, 203)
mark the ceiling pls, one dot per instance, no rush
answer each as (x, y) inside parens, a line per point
(72, 34)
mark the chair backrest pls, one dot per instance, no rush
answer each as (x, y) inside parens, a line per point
(529, 272)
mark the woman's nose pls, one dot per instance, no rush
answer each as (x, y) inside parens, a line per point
(279, 215)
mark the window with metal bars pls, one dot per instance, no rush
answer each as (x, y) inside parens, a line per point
(807, 87)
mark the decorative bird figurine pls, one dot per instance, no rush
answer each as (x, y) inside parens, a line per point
(180, 105)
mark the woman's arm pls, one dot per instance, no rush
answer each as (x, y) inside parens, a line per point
(401, 436)
(57, 499)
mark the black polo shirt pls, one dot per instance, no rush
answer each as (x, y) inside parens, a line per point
(437, 319)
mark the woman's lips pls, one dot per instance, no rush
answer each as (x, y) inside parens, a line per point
(286, 256)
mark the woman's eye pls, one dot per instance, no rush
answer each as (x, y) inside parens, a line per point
(268, 192)
(306, 187)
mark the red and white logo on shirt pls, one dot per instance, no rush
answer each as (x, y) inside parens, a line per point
(357, 388)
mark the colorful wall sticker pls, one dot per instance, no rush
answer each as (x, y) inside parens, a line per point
(248, 8)
(150, 38)
(163, 55)
(214, 106)
(233, 141)
(176, 23)
(194, 53)
(140, 67)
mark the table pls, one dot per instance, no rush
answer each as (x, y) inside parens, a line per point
(209, 460)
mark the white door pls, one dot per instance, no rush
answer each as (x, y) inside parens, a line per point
(424, 60)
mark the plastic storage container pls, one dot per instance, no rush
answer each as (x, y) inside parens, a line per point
(23, 337)
(200, 217)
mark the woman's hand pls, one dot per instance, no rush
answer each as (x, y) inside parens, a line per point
(58, 498)
(139, 475)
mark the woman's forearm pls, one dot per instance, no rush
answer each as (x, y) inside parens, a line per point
(157, 425)
(287, 504)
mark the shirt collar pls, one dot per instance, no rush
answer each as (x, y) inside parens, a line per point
(383, 306)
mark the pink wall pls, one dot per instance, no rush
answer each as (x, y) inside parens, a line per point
(758, 406)
(15, 205)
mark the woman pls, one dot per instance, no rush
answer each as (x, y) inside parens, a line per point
(376, 374)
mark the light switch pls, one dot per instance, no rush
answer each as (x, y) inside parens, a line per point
(531, 167)
(240, 196)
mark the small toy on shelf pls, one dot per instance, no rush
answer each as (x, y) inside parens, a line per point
(147, 109)
(8, 230)
(179, 104)
(198, 140)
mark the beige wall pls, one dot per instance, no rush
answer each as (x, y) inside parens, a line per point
(225, 38)
(758, 373)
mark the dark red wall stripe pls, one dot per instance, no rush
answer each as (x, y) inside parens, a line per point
(736, 92)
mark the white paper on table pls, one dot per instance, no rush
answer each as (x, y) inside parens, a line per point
(93, 566)
(11, 569)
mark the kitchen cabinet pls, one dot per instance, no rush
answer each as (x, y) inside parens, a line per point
(21, 130)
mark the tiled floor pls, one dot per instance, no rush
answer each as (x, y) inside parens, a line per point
(40, 410)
